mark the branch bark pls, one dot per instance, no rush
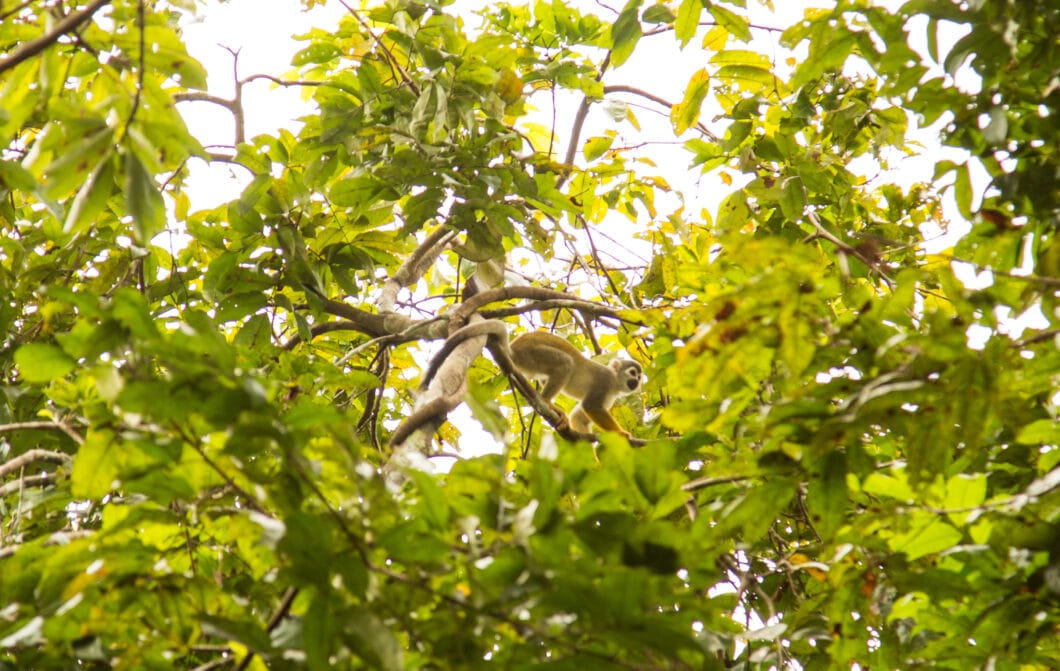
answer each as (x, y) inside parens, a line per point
(30, 456)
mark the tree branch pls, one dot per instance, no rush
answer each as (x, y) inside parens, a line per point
(844, 248)
(414, 267)
(57, 538)
(579, 121)
(622, 88)
(39, 480)
(390, 58)
(69, 23)
(17, 463)
(46, 426)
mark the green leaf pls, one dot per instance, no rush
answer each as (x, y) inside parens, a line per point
(432, 504)
(72, 167)
(307, 543)
(1039, 432)
(756, 509)
(91, 197)
(962, 191)
(797, 348)
(41, 362)
(734, 23)
(658, 14)
(931, 536)
(319, 52)
(687, 20)
(361, 192)
(247, 632)
(132, 311)
(964, 492)
(373, 641)
(889, 486)
(143, 200)
(686, 113)
(826, 498)
(625, 33)
(748, 77)
(793, 199)
(13, 177)
(97, 466)
(595, 147)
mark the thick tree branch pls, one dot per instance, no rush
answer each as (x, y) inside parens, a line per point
(415, 266)
(30, 456)
(39, 480)
(46, 426)
(203, 96)
(460, 315)
(69, 23)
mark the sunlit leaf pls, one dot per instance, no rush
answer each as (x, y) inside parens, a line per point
(928, 537)
(685, 114)
(143, 199)
(688, 13)
(625, 33)
(596, 147)
(41, 362)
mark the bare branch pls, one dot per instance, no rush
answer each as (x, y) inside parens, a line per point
(598, 310)
(15, 10)
(414, 267)
(39, 480)
(460, 315)
(58, 538)
(46, 426)
(371, 323)
(284, 82)
(30, 456)
(203, 96)
(704, 482)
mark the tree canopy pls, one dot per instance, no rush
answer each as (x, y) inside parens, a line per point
(846, 453)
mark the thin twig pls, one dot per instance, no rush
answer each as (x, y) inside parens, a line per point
(404, 76)
(844, 248)
(142, 28)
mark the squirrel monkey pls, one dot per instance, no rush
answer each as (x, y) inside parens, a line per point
(562, 367)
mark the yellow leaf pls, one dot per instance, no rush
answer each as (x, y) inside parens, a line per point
(510, 86)
(632, 119)
(685, 114)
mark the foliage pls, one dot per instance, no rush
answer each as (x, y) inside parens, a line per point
(851, 454)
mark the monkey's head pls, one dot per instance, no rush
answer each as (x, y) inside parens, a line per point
(629, 375)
